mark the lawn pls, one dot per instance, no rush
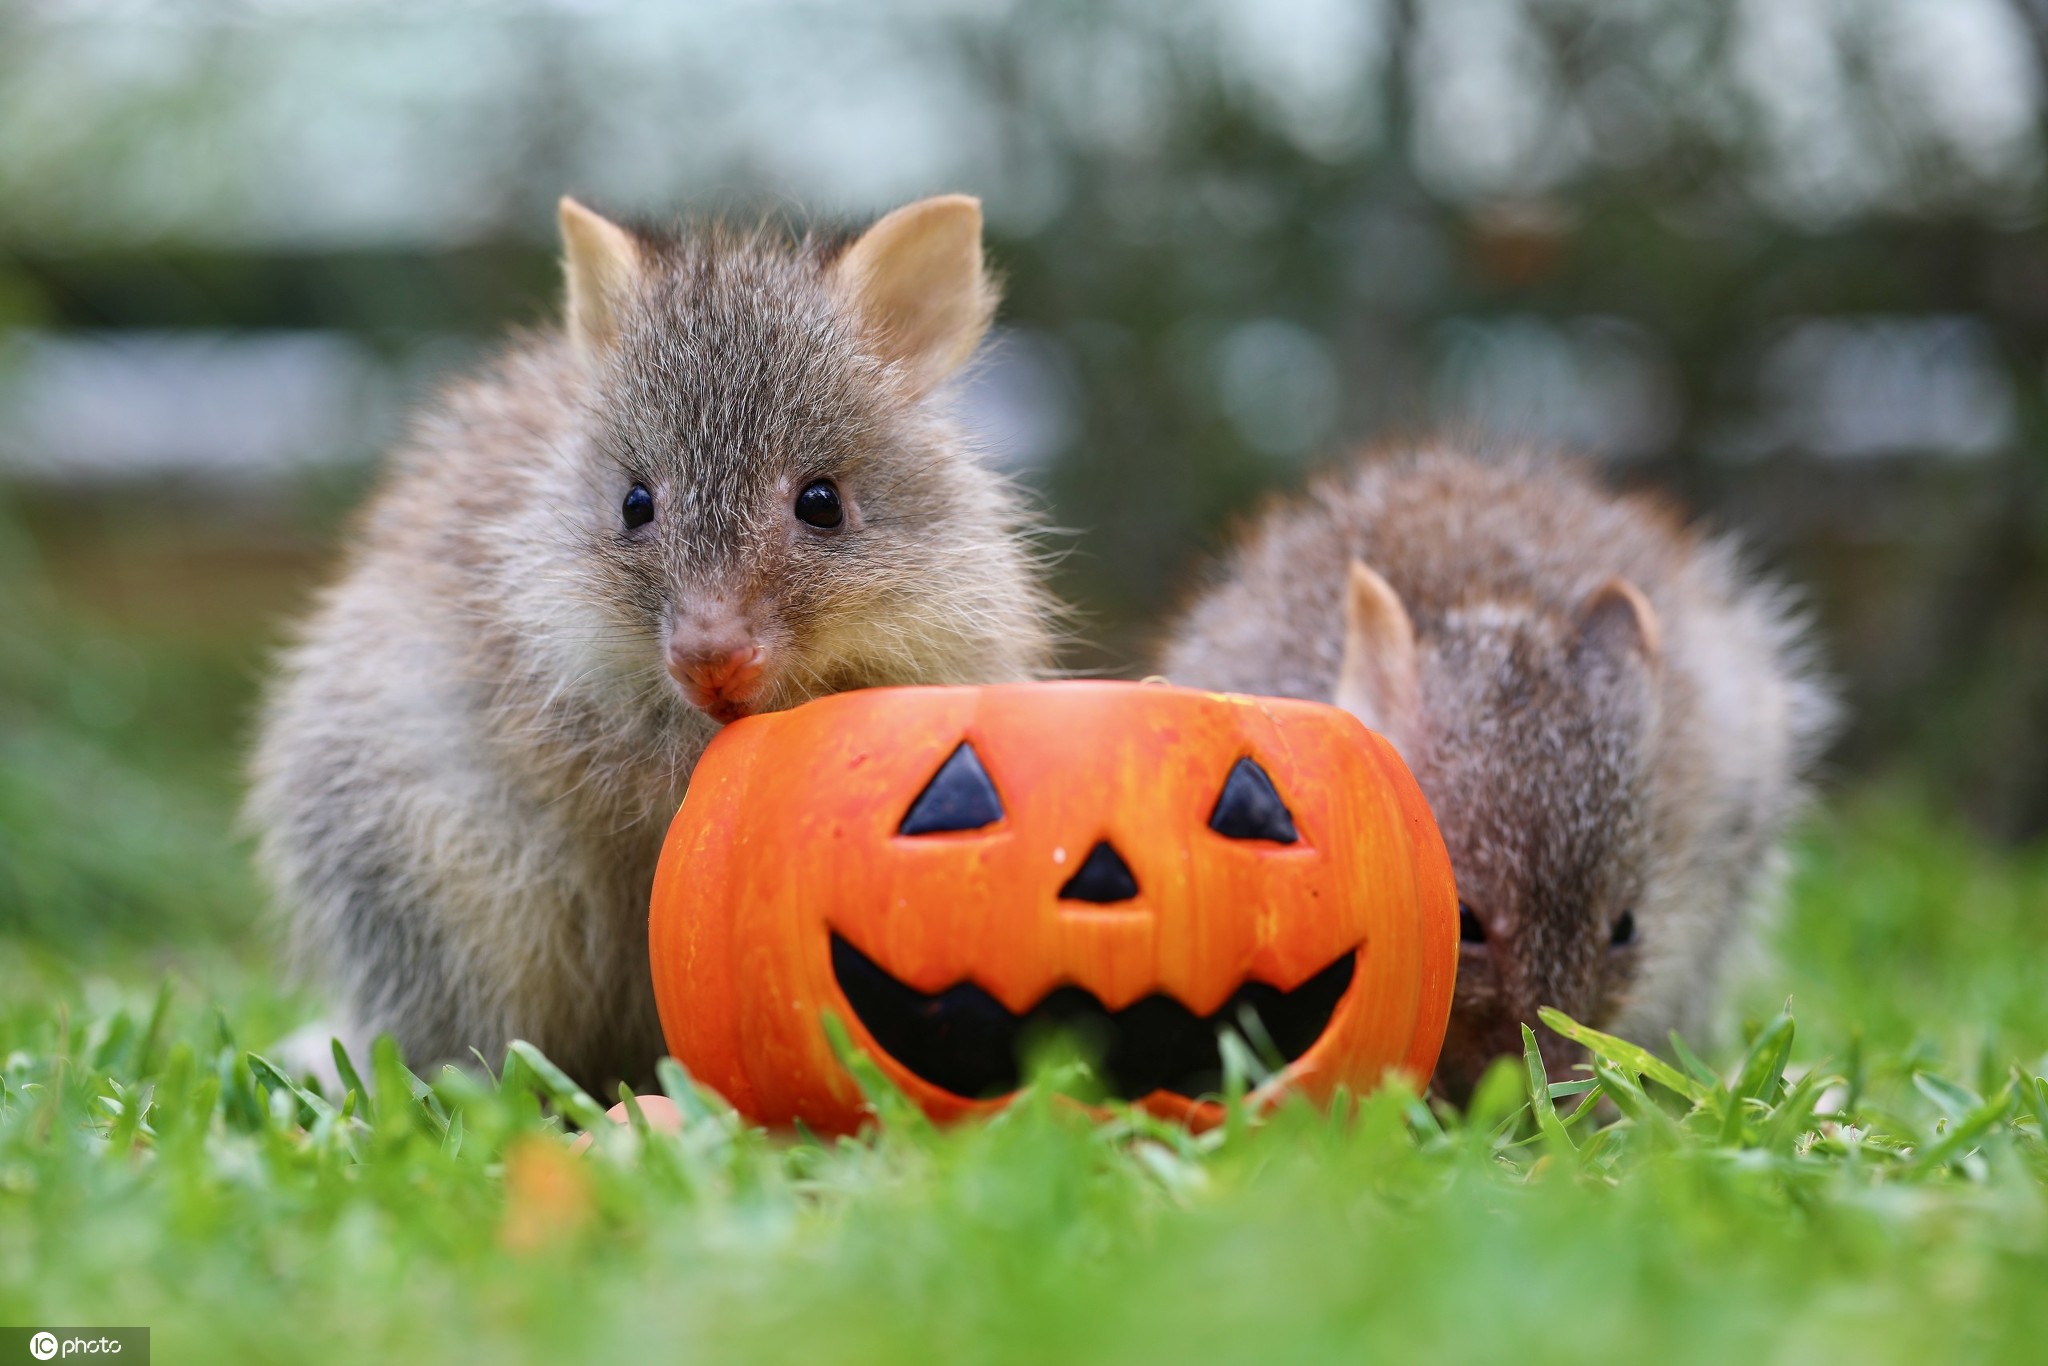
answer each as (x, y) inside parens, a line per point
(1864, 1178)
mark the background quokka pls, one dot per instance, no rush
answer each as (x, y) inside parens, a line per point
(723, 486)
(1610, 717)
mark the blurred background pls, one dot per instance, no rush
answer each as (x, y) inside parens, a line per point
(1782, 257)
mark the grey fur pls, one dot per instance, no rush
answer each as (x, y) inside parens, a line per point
(1574, 777)
(472, 751)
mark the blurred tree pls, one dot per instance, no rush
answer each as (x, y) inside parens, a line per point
(1783, 257)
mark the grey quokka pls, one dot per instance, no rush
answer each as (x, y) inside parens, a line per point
(1610, 716)
(723, 486)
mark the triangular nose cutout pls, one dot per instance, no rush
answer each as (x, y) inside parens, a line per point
(1103, 878)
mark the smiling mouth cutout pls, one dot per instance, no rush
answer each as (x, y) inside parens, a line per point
(967, 1042)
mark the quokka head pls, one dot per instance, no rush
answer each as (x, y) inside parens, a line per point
(767, 503)
(1532, 735)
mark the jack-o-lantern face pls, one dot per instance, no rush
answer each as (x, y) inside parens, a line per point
(953, 870)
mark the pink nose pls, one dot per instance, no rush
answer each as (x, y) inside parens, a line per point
(722, 681)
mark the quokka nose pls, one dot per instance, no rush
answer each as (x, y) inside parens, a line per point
(721, 679)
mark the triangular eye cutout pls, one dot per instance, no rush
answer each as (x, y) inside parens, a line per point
(1103, 877)
(1250, 809)
(959, 797)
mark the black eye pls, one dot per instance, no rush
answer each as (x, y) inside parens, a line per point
(1250, 807)
(818, 505)
(1470, 931)
(638, 509)
(959, 797)
(1624, 931)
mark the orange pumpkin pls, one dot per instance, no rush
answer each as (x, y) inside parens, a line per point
(946, 869)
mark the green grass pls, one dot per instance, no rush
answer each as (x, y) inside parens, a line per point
(1873, 1185)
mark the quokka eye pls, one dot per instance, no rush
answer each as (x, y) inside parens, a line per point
(818, 505)
(1470, 931)
(1624, 931)
(638, 509)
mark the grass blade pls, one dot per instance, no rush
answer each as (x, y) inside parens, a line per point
(1763, 1068)
(1952, 1100)
(1629, 1057)
(2035, 1092)
(345, 1070)
(1586, 1106)
(684, 1092)
(1547, 1122)
(311, 1107)
(451, 1143)
(1763, 1071)
(153, 1033)
(1692, 1062)
(1635, 1103)
(1794, 1113)
(569, 1098)
(1498, 1101)
(1964, 1133)
(402, 1099)
(886, 1101)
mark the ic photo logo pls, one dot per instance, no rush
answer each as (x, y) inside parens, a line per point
(47, 1346)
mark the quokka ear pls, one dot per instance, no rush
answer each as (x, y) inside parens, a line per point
(915, 280)
(1378, 681)
(1616, 622)
(601, 266)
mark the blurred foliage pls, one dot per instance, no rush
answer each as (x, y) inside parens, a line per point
(1784, 261)
(118, 774)
(1901, 928)
(1930, 575)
